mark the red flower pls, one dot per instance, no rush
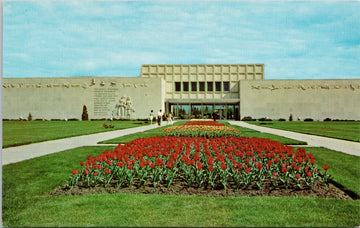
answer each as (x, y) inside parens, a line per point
(86, 172)
(223, 166)
(274, 174)
(284, 170)
(152, 166)
(120, 164)
(297, 176)
(82, 163)
(312, 161)
(248, 170)
(297, 168)
(75, 171)
(306, 169)
(309, 174)
(199, 167)
(211, 168)
(325, 167)
(95, 173)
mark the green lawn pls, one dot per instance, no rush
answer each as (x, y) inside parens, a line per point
(246, 132)
(146, 134)
(25, 132)
(348, 130)
(26, 200)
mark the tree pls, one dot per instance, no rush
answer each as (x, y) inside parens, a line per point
(291, 117)
(29, 117)
(84, 115)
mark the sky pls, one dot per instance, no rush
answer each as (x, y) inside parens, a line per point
(294, 39)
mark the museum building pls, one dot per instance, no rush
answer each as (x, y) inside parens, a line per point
(188, 91)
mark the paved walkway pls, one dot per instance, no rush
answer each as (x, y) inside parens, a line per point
(20, 153)
(344, 146)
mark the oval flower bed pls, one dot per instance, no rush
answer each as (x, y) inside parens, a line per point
(201, 161)
(201, 129)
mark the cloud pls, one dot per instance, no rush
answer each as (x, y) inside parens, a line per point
(99, 38)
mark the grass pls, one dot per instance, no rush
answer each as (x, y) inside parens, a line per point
(343, 167)
(146, 134)
(246, 132)
(348, 130)
(26, 200)
(17, 133)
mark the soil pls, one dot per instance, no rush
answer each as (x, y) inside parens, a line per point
(179, 187)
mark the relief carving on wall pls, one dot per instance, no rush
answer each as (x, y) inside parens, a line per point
(305, 87)
(123, 109)
(83, 85)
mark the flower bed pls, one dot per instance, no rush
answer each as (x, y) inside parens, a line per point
(208, 123)
(201, 129)
(200, 161)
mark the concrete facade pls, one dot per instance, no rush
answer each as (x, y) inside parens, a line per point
(60, 98)
(316, 99)
(188, 91)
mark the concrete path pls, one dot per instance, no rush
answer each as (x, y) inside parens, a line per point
(344, 146)
(20, 153)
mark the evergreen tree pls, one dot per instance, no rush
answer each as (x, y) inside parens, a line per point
(30, 116)
(84, 115)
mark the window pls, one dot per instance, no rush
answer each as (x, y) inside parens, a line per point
(185, 86)
(193, 86)
(177, 86)
(210, 86)
(202, 86)
(226, 86)
(218, 86)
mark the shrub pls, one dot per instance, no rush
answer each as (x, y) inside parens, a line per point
(84, 115)
(108, 125)
(290, 117)
(247, 118)
(265, 119)
(327, 119)
(308, 119)
(282, 119)
(29, 117)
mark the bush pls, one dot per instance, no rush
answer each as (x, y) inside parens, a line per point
(308, 119)
(327, 119)
(108, 125)
(290, 117)
(73, 119)
(282, 119)
(247, 118)
(265, 119)
(29, 117)
(84, 115)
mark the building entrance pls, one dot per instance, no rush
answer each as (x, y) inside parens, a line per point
(204, 111)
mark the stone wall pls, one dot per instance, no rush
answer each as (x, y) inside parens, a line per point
(316, 99)
(60, 98)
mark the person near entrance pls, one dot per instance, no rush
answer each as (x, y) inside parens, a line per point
(151, 116)
(159, 117)
(214, 115)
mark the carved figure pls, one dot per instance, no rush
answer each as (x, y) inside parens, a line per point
(129, 107)
(123, 108)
